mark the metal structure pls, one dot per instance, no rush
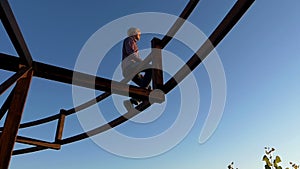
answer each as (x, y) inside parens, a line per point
(25, 69)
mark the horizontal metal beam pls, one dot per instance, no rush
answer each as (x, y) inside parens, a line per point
(63, 75)
(13, 30)
(31, 141)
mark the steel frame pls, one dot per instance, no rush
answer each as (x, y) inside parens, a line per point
(25, 69)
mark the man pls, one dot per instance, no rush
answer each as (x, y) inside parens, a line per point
(131, 60)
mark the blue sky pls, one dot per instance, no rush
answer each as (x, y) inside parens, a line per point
(260, 56)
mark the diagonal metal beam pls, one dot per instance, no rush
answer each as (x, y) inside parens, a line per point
(10, 81)
(232, 17)
(13, 119)
(6, 105)
(13, 31)
(179, 22)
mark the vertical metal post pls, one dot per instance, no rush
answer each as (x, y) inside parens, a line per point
(60, 126)
(157, 73)
(13, 119)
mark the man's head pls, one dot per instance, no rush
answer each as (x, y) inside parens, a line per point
(135, 32)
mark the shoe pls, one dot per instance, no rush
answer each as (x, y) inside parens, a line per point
(128, 105)
(134, 101)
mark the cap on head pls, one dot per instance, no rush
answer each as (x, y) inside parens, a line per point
(133, 31)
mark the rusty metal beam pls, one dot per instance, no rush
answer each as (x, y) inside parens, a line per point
(157, 71)
(9, 62)
(12, 122)
(60, 126)
(14, 32)
(63, 75)
(35, 142)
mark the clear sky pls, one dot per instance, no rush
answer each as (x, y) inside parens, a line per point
(260, 58)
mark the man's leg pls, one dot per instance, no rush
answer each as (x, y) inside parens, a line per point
(138, 79)
(143, 81)
(147, 78)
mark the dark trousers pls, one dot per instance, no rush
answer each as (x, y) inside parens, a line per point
(142, 80)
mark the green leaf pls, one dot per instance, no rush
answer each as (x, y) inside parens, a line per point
(279, 167)
(277, 160)
(267, 167)
(266, 159)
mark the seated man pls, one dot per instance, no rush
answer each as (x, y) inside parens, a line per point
(130, 60)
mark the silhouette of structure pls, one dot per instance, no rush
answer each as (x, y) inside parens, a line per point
(25, 68)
